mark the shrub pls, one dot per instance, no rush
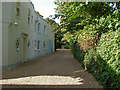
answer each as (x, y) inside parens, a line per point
(103, 61)
(78, 53)
(109, 49)
(87, 39)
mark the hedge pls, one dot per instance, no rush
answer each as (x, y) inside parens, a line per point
(103, 61)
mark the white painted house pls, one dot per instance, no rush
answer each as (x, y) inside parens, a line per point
(25, 34)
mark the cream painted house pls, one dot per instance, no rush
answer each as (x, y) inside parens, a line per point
(25, 34)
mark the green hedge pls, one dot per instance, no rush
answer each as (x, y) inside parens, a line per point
(109, 49)
(103, 61)
(78, 54)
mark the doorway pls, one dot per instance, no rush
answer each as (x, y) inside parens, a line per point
(24, 57)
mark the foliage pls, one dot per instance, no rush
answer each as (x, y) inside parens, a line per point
(103, 61)
(109, 49)
(77, 53)
(87, 39)
(94, 63)
(94, 37)
(57, 31)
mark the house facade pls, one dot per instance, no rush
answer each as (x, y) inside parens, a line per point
(25, 34)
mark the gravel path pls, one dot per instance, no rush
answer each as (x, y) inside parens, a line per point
(57, 70)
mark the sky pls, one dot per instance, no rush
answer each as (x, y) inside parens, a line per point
(45, 7)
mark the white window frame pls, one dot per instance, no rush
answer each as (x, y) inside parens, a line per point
(44, 44)
(35, 25)
(28, 44)
(38, 45)
(17, 43)
(17, 9)
(39, 27)
(35, 48)
(32, 19)
(44, 29)
(28, 15)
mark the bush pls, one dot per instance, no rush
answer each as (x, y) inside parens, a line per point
(78, 53)
(109, 49)
(102, 61)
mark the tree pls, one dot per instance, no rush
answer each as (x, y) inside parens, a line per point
(57, 31)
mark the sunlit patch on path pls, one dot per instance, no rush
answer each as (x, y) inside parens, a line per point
(44, 80)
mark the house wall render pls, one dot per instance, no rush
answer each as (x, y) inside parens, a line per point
(25, 34)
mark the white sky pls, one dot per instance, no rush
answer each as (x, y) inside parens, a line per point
(45, 7)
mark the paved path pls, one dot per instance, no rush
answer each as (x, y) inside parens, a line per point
(57, 70)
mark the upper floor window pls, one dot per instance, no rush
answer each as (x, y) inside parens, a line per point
(28, 15)
(28, 20)
(17, 9)
(32, 19)
(28, 12)
(35, 25)
(38, 26)
(44, 29)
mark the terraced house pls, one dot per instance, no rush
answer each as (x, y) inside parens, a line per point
(25, 34)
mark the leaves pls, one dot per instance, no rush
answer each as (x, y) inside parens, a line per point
(92, 32)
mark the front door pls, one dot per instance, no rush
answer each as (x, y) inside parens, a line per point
(24, 58)
(24, 50)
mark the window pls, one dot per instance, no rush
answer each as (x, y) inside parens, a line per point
(38, 45)
(17, 9)
(44, 44)
(28, 20)
(28, 12)
(28, 43)
(35, 46)
(32, 19)
(35, 25)
(17, 45)
(17, 12)
(38, 26)
(28, 15)
(32, 44)
(44, 29)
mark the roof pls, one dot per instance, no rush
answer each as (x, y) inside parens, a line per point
(36, 12)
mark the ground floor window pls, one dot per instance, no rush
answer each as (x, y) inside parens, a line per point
(44, 44)
(17, 45)
(38, 45)
(35, 46)
(32, 44)
(28, 43)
